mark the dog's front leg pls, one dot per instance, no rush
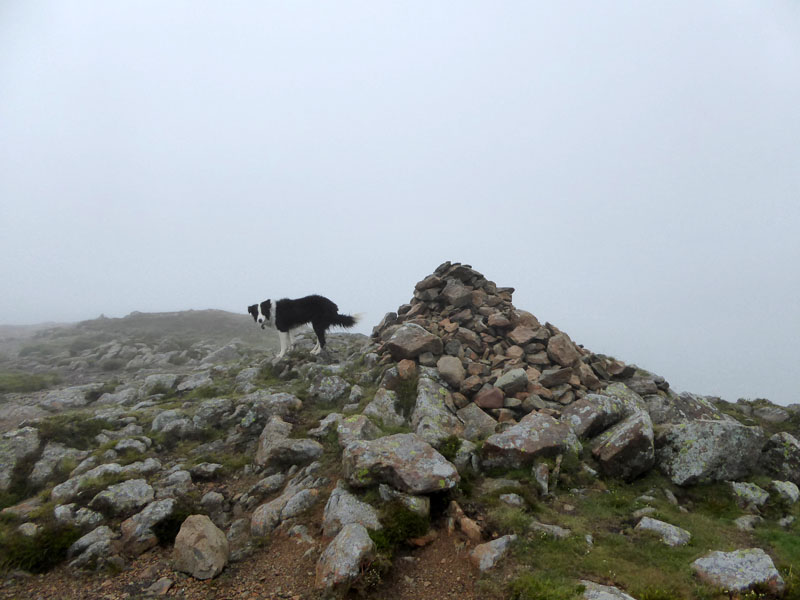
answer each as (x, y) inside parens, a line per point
(284, 338)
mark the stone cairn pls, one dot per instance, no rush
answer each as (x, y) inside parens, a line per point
(493, 354)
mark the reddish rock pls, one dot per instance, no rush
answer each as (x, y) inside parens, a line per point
(499, 320)
(411, 340)
(406, 369)
(490, 397)
(515, 352)
(456, 293)
(561, 350)
(471, 384)
(521, 335)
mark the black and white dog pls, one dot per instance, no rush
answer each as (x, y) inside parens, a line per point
(286, 315)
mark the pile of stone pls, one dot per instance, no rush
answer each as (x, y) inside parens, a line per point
(493, 354)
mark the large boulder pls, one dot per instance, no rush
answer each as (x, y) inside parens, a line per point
(739, 571)
(54, 456)
(342, 561)
(411, 340)
(626, 450)
(705, 450)
(137, 531)
(201, 549)
(123, 498)
(682, 408)
(477, 423)
(536, 435)
(405, 461)
(383, 409)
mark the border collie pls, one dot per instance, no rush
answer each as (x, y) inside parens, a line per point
(286, 315)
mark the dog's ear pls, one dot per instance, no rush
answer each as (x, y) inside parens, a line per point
(252, 309)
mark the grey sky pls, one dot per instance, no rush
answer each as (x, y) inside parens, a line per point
(633, 169)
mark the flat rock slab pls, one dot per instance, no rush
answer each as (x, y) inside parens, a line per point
(404, 461)
(669, 534)
(739, 571)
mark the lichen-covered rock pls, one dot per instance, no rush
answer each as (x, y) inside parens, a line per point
(682, 408)
(669, 534)
(749, 494)
(384, 409)
(536, 435)
(201, 549)
(432, 418)
(405, 461)
(787, 491)
(53, 457)
(704, 450)
(344, 508)
(781, 457)
(420, 505)
(213, 412)
(485, 556)
(15, 447)
(739, 571)
(626, 450)
(356, 427)
(174, 424)
(68, 490)
(341, 562)
(160, 382)
(329, 389)
(411, 340)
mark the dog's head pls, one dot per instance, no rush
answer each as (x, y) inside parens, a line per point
(261, 312)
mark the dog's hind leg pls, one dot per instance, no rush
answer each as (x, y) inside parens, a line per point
(319, 329)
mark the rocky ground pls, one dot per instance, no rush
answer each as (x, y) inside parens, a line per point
(464, 450)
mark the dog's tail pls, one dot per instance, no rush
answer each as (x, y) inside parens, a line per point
(345, 321)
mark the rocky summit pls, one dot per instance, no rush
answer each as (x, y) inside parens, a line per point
(466, 449)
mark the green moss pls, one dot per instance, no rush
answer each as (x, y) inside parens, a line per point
(534, 586)
(449, 447)
(19, 382)
(399, 524)
(39, 553)
(75, 430)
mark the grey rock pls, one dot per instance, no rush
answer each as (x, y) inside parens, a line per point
(329, 389)
(669, 534)
(536, 435)
(771, 414)
(177, 484)
(226, 354)
(477, 424)
(213, 413)
(595, 591)
(781, 457)
(276, 449)
(82, 518)
(206, 471)
(383, 409)
(53, 457)
(356, 427)
(739, 571)
(451, 370)
(404, 461)
(15, 447)
(682, 408)
(553, 531)
(201, 548)
(421, 505)
(137, 531)
(486, 556)
(341, 562)
(194, 381)
(747, 522)
(749, 494)
(66, 491)
(513, 381)
(410, 340)
(123, 498)
(130, 445)
(153, 383)
(595, 413)
(626, 450)
(343, 508)
(174, 424)
(787, 491)
(71, 397)
(433, 418)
